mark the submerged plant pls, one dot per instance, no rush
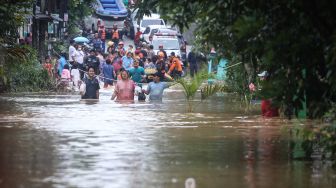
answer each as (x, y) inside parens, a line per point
(314, 141)
(198, 82)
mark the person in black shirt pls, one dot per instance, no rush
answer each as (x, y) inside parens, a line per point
(192, 63)
(92, 85)
(92, 61)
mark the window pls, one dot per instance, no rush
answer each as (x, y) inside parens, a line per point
(147, 30)
(154, 31)
(168, 44)
(148, 22)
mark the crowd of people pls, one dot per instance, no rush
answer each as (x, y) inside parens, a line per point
(126, 68)
(116, 65)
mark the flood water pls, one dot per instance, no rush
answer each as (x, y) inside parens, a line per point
(57, 141)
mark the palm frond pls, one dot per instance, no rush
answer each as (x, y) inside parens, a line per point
(190, 86)
(210, 89)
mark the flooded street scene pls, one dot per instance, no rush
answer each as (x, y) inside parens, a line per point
(58, 141)
(167, 94)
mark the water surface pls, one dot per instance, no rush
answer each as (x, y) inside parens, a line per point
(56, 141)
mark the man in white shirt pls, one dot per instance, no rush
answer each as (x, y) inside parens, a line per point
(79, 58)
(75, 76)
(72, 52)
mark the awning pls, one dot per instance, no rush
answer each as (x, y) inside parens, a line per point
(57, 18)
(48, 17)
(42, 17)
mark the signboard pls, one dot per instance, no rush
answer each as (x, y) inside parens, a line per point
(55, 15)
(66, 16)
(50, 27)
(38, 9)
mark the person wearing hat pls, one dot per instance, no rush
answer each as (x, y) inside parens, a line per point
(110, 48)
(155, 89)
(267, 108)
(120, 48)
(130, 49)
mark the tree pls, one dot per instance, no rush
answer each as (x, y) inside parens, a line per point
(295, 41)
(78, 10)
(12, 14)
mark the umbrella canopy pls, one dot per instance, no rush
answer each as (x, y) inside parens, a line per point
(81, 39)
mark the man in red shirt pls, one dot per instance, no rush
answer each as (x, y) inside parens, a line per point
(137, 37)
(267, 109)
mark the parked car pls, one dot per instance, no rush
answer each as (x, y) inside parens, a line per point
(170, 44)
(154, 19)
(168, 32)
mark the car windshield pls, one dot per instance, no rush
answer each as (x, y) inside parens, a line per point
(148, 22)
(168, 44)
(168, 31)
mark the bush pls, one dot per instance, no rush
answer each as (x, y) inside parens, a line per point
(317, 140)
(26, 74)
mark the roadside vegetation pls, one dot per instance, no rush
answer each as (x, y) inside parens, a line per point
(295, 41)
(20, 69)
(26, 74)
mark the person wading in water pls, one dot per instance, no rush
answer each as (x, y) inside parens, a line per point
(91, 86)
(124, 89)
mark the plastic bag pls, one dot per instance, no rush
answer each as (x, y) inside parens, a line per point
(82, 88)
(141, 96)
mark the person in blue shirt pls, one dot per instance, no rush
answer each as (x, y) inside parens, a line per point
(61, 62)
(155, 89)
(96, 42)
(127, 61)
(137, 73)
(109, 73)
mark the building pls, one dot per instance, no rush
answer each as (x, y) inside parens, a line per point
(48, 24)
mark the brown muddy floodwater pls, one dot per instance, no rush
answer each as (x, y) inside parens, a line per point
(57, 141)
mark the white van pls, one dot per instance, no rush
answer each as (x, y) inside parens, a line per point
(154, 19)
(169, 43)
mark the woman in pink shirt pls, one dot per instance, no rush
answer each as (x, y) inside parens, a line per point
(66, 73)
(124, 89)
(65, 76)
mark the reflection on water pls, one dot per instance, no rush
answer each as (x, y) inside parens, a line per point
(57, 141)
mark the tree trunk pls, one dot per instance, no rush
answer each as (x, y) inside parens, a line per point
(42, 47)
